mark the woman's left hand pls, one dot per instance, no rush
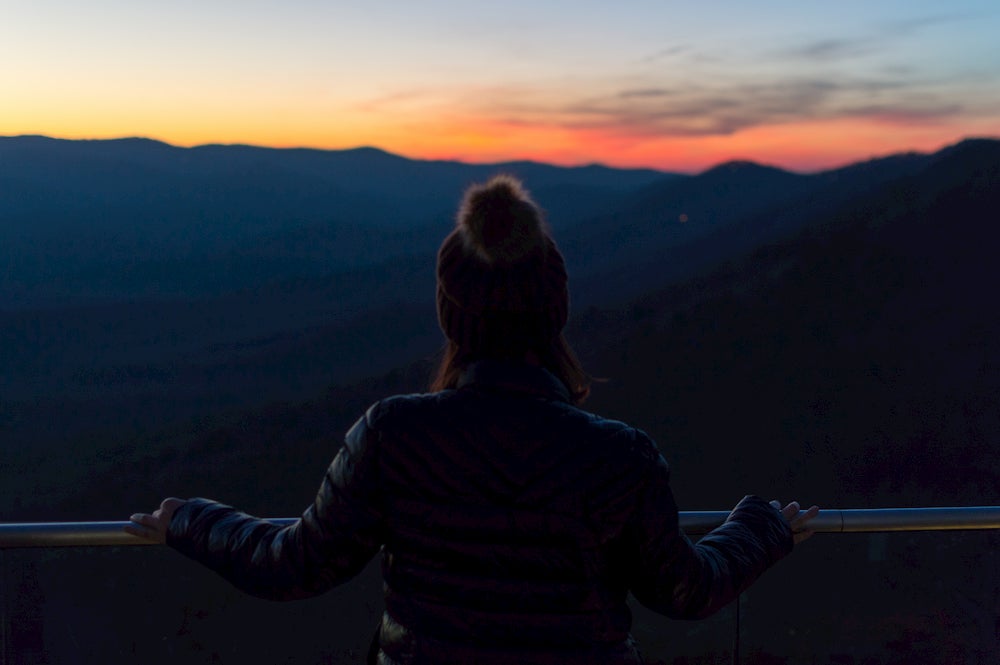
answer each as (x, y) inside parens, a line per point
(154, 527)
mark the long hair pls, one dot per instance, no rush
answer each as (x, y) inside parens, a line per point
(558, 358)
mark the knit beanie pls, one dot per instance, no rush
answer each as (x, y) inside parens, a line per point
(501, 280)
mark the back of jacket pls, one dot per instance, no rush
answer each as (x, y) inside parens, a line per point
(513, 527)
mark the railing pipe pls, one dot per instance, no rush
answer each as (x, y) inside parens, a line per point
(111, 534)
(871, 520)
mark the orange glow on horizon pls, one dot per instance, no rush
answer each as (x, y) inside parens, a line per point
(808, 146)
(664, 87)
(805, 146)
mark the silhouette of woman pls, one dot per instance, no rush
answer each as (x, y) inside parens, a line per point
(512, 524)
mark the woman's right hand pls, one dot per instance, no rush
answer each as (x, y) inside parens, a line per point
(154, 527)
(797, 519)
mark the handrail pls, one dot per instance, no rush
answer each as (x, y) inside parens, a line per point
(111, 534)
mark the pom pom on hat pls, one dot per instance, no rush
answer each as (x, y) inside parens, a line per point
(500, 221)
(502, 284)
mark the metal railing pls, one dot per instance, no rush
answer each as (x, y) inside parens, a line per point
(111, 534)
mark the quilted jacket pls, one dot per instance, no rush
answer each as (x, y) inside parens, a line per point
(512, 527)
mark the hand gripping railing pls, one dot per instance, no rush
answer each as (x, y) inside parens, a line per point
(103, 534)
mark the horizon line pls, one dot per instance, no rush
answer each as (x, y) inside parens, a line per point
(473, 162)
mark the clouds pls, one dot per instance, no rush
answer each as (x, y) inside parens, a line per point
(882, 75)
(507, 80)
(830, 50)
(645, 93)
(911, 25)
(715, 107)
(882, 38)
(666, 53)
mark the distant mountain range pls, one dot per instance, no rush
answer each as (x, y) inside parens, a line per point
(255, 303)
(867, 336)
(177, 279)
(106, 221)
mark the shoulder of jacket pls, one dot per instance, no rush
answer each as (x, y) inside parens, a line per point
(384, 415)
(389, 409)
(622, 438)
(638, 443)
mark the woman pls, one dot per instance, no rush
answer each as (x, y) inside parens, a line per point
(512, 524)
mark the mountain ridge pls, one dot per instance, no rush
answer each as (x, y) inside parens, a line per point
(221, 344)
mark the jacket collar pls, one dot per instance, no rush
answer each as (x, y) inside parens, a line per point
(512, 376)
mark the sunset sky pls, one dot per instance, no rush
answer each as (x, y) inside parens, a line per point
(671, 85)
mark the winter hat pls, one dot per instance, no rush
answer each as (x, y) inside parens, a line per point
(501, 280)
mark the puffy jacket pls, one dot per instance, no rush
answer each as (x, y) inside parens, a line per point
(512, 526)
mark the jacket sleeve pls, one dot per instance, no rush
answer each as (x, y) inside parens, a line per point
(333, 540)
(692, 581)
